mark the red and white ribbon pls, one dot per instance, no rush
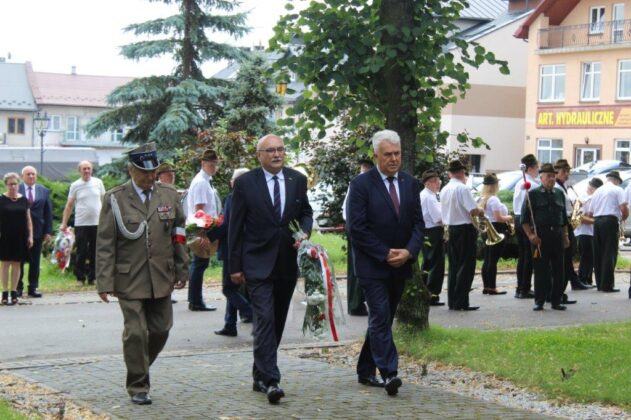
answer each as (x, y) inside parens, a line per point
(328, 285)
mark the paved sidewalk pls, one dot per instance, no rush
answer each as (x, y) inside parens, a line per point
(218, 385)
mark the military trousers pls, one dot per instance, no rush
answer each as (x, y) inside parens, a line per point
(434, 259)
(524, 261)
(549, 268)
(147, 325)
(461, 252)
(605, 251)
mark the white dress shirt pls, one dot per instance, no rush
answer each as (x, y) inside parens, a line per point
(606, 201)
(520, 193)
(387, 183)
(456, 203)
(584, 228)
(201, 192)
(270, 187)
(139, 192)
(431, 208)
(569, 206)
(494, 204)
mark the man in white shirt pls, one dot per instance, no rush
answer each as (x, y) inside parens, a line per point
(434, 246)
(585, 234)
(524, 259)
(458, 208)
(609, 206)
(85, 197)
(202, 196)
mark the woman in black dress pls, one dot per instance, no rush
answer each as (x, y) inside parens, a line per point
(16, 235)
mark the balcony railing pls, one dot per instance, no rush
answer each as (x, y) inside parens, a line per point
(589, 35)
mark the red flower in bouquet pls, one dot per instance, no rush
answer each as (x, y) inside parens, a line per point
(197, 227)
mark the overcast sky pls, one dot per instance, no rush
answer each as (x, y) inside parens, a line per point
(55, 35)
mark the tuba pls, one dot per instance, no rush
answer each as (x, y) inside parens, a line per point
(308, 171)
(484, 225)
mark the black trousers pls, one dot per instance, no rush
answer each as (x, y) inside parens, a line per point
(524, 261)
(270, 299)
(461, 252)
(433, 267)
(354, 292)
(549, 268)
(605, 251)
(34, 256)
(586, 255)
(492, 255)
(85, 237)
(379, 350)
(568, 261)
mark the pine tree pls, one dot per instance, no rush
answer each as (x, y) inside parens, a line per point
(167, 108)
(249, 102)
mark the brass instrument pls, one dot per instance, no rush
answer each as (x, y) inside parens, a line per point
(575, 218)
(510, 227)
(308, 171)
(484, 225)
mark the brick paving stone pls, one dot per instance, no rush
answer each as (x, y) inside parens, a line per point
(214, 385)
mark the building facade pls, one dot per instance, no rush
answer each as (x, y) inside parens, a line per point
(578, 99)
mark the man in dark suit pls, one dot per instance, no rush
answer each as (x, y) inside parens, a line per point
(385, 226)
(41, 207)
(263, 252)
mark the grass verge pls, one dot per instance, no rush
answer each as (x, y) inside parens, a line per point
(595, 358)
(8, 413)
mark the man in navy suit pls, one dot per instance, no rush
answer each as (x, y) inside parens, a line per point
(41, 207)
(263, 252)
(385, 224)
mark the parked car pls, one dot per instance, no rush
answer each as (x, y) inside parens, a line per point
(509, 179)
(596, 167)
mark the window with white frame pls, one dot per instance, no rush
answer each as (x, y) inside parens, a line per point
(117, 135)
(623, 147)
(549, 150)
(596, 20)
(590, 83)
(72, 128)
(55, 123)
(552, 83)
(624, 79)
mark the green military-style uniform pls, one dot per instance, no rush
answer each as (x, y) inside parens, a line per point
(548, 207)
(139, 261)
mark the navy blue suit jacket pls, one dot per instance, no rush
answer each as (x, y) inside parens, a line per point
(256, 239)
(41, 211)
(221, 233)
(375, 228)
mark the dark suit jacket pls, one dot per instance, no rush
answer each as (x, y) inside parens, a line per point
(221, 233)
(41, 211)
(374, 227)
(256, 239)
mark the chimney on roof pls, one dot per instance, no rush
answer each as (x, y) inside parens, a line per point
(73, 70)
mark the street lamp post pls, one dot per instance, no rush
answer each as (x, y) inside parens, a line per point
(41, 126)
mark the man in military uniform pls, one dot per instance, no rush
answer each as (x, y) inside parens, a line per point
(141, 257)
(548, 233)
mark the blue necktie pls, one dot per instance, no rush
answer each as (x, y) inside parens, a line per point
(276, 197)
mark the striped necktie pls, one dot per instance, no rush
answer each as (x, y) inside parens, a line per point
(276, 198)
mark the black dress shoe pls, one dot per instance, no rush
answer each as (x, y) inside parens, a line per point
(437, 303)
(468, 308)
(141, 398)
(527, 295)
(227, 332)
(393, 383)
(173, 301)
(610, 290)
(205, 308)
(274, 393)
(358, 312)
(580, 286)
(34, 294)
(246, 320)
(538, 307)
(19, 293)
(566, 301)
(371, 380)
(259, 386)
(493, 292)
(559, 307)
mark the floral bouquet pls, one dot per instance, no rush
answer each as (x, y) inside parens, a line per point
(62, 249)
(197, 227)
(324, 305)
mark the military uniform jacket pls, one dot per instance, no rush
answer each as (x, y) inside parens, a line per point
(149, 266)
(548, 207)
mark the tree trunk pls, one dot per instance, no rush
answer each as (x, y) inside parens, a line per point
(401, 117)
(187, 51)
(400, 114)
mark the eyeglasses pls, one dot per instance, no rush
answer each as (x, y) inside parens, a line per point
(271, 150)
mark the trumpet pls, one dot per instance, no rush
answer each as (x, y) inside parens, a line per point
(484, 225)
(510, 227)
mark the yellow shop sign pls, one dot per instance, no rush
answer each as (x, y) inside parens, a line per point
(584, 117)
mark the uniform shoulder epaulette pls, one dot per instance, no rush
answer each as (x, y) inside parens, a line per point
(116, 189)
(166, 186)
